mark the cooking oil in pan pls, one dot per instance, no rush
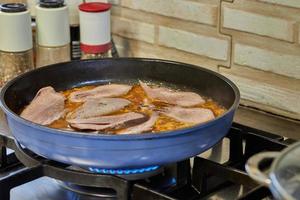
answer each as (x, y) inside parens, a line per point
(140, 103)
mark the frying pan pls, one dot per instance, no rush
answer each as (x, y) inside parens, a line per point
(118, 151)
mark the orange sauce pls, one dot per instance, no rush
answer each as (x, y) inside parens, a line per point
(139, 104)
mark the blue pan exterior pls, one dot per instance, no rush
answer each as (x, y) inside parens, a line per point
(119, 151)
(126, 152)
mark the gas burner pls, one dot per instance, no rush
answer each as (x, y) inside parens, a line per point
(123, 171)
(127, 174)
(130, 174)
(102, 193)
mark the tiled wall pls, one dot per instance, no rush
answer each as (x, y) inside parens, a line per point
(256, 43)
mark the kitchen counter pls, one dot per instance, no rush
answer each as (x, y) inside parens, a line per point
(268, 122)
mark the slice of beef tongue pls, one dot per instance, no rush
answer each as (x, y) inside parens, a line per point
(189, 115)
(109, 90)
(46, 107)
(146, 126)
(185, 99)
(104, 122)
(98, 106)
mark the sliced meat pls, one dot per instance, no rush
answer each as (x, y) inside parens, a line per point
(110, 90)
(98, 106)
(185, 99)
(46, 107)
(146, 126)
(104, 122)
(189, 115)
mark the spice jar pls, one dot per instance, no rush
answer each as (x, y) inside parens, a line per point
(95, 34)
(53, 32)
(74, 28)
(31, 7)
(16, 54)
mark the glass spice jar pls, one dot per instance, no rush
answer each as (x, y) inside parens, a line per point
(16, 53)
(53, 32)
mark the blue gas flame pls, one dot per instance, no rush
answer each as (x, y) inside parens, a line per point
(123, 171)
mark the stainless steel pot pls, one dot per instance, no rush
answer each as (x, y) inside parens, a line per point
(283, 178)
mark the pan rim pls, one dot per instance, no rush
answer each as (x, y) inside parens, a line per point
(139, 136)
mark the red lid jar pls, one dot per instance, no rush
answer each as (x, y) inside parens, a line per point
(95, 33)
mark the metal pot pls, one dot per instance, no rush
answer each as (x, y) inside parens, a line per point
(283, 178)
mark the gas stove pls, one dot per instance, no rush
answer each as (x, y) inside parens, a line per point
(217, 174)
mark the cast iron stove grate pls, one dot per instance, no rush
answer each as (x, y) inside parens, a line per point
(177, 181)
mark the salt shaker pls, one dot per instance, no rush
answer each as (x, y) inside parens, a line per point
(53, 32)
(95, 33)
(16, 54)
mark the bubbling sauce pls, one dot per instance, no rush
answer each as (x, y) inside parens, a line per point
(139, 102)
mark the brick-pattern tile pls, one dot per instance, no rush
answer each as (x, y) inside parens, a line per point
(259, 42)
(161, 20)
(290, 3)
(259, 92)
(276, 92)
(115, 2)
(184, 9)
(298, 33)
(129, 47)
(13, 1)
(267, 94)
(212, 47)
(133, 29)
(268, 60)
(251, 22)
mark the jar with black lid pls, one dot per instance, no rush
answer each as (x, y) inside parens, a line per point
(53, 32)
(16, 48)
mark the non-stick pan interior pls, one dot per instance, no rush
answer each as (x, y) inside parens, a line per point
(21, 90)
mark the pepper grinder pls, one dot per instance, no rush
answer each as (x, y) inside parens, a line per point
(95, 34)
(16, 54)
(53, 32)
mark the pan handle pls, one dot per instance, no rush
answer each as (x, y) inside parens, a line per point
(253, 167)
